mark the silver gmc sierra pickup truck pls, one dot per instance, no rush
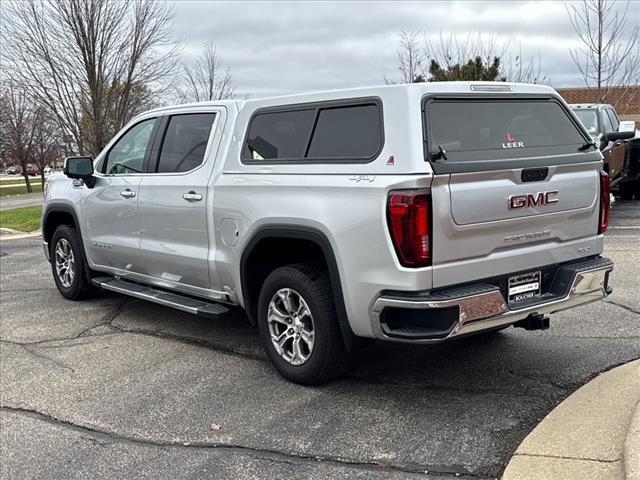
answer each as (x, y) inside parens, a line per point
(407, 213)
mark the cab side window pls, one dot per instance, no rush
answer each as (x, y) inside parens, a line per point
(185, 142)
(606, 121)
(128, 154)
(615, 123)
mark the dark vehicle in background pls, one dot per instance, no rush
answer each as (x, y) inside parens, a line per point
(630, 188)
(610, 136)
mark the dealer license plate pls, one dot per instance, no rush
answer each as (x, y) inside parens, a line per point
(524, 286)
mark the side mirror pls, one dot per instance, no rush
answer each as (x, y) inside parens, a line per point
(81, 168)
(613, 136)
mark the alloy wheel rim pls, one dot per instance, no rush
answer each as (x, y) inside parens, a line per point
(65, 262)
(291, 326)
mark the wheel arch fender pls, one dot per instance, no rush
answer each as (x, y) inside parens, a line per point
(305, 234)
(57, 213)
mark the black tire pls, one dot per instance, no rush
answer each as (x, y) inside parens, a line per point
(329, 358)
(626, 190)
(80, 287)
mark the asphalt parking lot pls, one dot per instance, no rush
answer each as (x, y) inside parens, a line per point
(119, 388)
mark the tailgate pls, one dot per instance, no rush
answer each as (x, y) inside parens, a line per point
(491, 196)
(516, 188)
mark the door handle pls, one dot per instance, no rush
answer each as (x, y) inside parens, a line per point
(192, 196)
(127, 193)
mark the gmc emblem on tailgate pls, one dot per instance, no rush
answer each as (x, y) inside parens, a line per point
(533, 200)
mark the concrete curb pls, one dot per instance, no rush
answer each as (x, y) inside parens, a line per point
(586, 435)
(632, 447)
(10, 234)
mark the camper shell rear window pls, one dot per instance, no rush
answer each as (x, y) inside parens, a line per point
(487, 133)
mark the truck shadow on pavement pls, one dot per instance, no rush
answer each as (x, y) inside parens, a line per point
(512, 361)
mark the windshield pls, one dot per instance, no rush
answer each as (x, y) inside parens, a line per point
(589, 119)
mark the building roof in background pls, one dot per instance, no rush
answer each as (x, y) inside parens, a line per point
(625, 100)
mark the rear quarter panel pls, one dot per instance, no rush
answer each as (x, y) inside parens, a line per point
(350, 214)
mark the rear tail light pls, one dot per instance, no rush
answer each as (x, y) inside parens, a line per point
(408, 213)
(603, 223)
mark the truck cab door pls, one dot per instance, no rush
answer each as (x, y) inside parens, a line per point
(176, 195)
(110, 224)
(614, 152)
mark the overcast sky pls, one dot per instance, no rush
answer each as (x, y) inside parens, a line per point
(284, 47)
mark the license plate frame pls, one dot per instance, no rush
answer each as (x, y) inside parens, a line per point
(524, 286)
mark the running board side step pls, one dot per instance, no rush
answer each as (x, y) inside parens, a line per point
(155, 295)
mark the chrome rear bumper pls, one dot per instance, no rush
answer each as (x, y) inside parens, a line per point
(483, 307)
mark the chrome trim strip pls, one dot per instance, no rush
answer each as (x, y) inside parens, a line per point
(489, 310)
(210, 294)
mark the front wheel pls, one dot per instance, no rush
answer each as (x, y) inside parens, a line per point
(299, 326)
(68, 264)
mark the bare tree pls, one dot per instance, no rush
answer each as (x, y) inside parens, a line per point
(411, 58)
(489, 58)
(92, 63)
(45, 140)
(518, 69)
(606, 58)
(28, 130)
(207, 79)
(473, 57)
(17, 126)
(449, 51)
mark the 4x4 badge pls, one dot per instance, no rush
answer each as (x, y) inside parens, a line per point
(362, 178)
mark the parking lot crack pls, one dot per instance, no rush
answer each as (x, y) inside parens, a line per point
(106, 320)
(36, 352)
(621, 305)
(103, 437)
(586, 459)
(196, 342)
(450, 388)
(117, 330)
(26, 289)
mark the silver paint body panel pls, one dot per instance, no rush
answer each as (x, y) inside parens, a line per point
(174, 235)
(196, 247)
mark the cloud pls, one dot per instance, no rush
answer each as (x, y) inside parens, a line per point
(283, 47)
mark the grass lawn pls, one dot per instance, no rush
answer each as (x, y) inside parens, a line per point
(25, 219)
(21, 190)
(13, 179)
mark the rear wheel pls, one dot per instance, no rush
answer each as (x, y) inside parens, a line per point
(69, 265)
(299, 326)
